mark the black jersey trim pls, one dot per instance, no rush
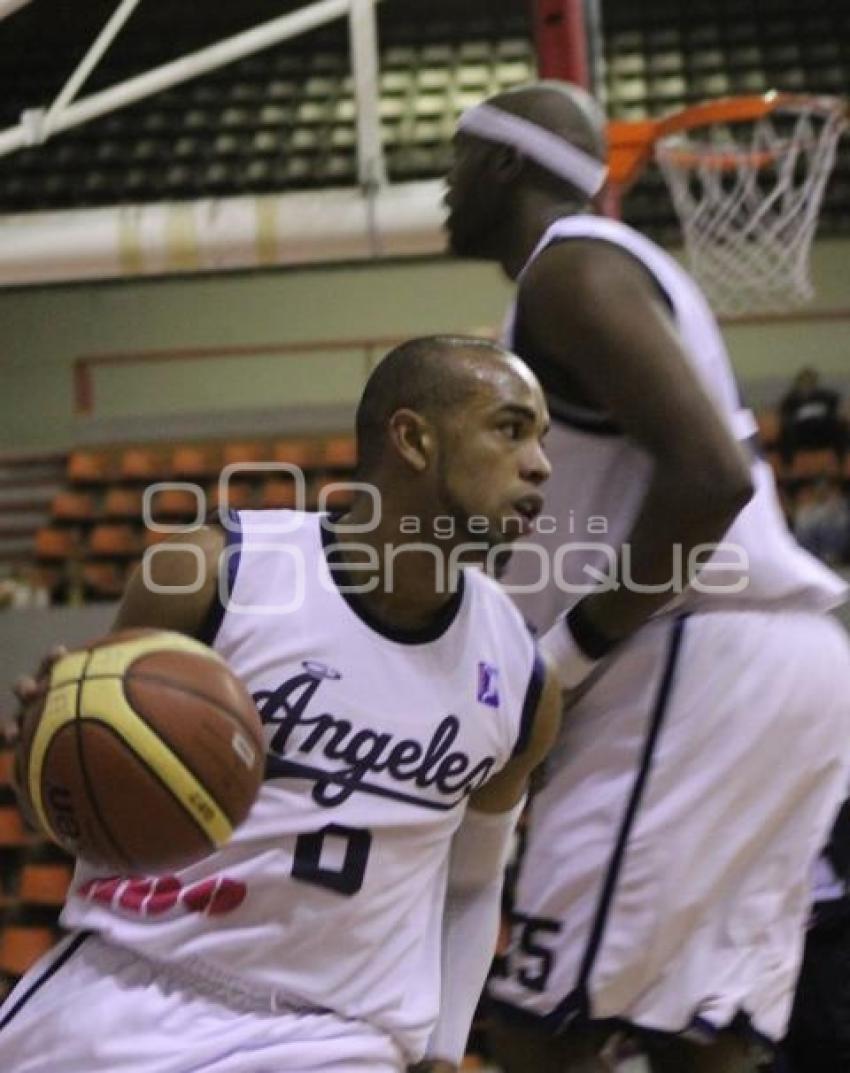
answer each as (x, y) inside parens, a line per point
(529, 705)
(615, 865)
(420, 636)
(51, 970)
(576, 1008)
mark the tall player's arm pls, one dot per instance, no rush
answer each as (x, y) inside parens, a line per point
(595, 312)
(477, 862)
(185, 584)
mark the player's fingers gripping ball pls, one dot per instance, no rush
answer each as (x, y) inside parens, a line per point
(142, 751)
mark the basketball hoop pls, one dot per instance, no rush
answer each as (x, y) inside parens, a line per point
(747, 177)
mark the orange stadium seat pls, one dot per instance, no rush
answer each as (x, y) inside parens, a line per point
(123, 503)
(7, 763)
(175, 503)
(55, 543)
(195, 461)
(72, 507)
(244, 453)
(44, 883)
(13, 831)
(94, 467)
(278, 493)
(300, 453)
(154, 536)
(21, 947)
(240, 496)
(143, 463)
(341, 452)
(117, 540)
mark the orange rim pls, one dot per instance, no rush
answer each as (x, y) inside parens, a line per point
(629, 149)
(632, 143)
(714, 160)
(742, 109)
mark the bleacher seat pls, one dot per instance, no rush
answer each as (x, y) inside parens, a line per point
(21, 946)
(339, 452)
(52, 543)
(143, 464)
(244, 453)
(301, 453)
(176, 504)
(114, 540)
(195, 461)
(90, 467)
(123, 503)
(71, 506)
(13, 831)
(240, 496)
(278, 494)
(7, 763)
(44, 883)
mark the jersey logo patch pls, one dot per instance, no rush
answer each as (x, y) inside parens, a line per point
(488, 685)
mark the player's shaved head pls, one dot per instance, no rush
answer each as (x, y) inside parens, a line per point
(563, 109)
(431, 375)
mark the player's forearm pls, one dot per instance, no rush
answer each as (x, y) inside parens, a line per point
(677, 530)
(480, 850)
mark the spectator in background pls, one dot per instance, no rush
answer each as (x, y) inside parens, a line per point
(809, 416)
(822, 523)
(23, 589)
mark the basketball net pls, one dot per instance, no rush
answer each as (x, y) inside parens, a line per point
(748, 190)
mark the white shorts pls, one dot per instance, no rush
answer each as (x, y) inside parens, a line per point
(88, 1007)
(665, 880)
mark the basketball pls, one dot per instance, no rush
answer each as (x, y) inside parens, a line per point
(142, 753)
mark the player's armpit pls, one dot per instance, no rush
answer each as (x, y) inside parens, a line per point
(179, 587)
(505, 789)
(594, 310)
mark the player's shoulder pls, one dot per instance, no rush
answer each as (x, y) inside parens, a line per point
(275, 526)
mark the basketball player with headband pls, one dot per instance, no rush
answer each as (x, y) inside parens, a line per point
(664, 884)
(349, 924)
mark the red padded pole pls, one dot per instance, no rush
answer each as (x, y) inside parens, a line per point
(560, 34)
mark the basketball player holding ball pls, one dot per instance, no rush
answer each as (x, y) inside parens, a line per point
(348, 924)
(665, 880)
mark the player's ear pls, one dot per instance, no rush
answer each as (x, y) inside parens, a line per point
(505, 163)
(412, 437)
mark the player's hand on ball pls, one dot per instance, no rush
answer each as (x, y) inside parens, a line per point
(26, 689)
(140, 751)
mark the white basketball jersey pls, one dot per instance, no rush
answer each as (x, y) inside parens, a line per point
(600, 478)
(330, 895)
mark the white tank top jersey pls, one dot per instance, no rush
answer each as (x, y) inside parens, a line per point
(600, 477)
(330, 894)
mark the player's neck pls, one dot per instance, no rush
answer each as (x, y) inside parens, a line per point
(535, 214)
(401, 581)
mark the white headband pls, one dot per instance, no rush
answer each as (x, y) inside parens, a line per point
(551, 152)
